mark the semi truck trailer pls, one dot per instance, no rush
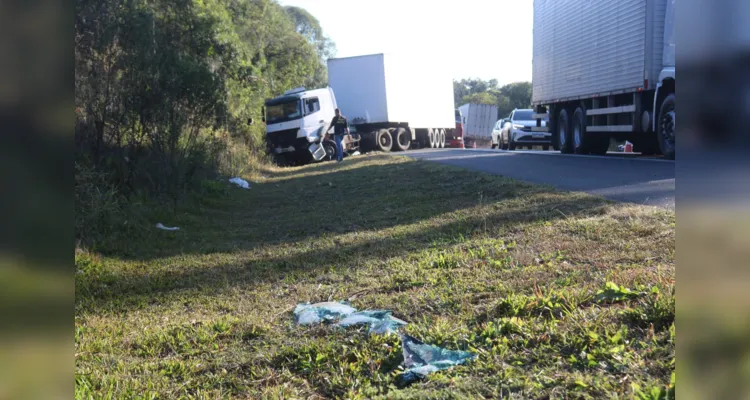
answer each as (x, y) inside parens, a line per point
(605, 69)
(478, 120)
(391, 101)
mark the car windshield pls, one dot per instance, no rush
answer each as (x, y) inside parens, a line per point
(523, 115)
(283, 112)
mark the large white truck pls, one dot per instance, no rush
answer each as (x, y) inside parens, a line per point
(478, 120)
(392, 103)
(604, 69)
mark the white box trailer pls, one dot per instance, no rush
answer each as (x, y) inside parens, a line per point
(478, 120)
(605, 68)
(391, 101)
(394, 95)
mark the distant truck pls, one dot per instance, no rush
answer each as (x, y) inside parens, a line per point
(392, 103)
(605, 69)
(479, 120)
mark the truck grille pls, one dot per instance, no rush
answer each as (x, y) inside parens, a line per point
(283, 138)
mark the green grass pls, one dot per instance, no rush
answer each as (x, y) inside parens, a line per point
(561, 295)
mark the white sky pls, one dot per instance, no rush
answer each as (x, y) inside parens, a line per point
(474, 38)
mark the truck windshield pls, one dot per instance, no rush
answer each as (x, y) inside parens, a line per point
(283, 112)
(523, 115)
(458, 117)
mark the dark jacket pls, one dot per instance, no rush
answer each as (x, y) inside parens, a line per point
(339, 124)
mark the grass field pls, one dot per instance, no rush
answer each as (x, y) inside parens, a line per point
(560, 295)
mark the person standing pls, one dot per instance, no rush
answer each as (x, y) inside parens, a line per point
(340, 128)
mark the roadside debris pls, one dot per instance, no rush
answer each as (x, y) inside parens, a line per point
(240, 182)
(420, 359)
(308, 314)
(167, 228)
(356, 153)
(381, 322)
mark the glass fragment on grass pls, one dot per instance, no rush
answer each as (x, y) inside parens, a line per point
(421, 359)
(381, 322)
(328, 311)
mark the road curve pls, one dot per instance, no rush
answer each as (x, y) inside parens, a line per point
(626, 179)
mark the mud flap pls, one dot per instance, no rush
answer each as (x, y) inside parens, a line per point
(318, 152)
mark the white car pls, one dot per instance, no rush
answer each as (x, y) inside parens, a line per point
(517, 131)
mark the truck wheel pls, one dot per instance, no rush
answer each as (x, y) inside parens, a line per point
(401, 139)
(666, 127)
(431, 138)
(383, 140)
(580, 138)
(442, 138)
(563, 132)
(330, 148)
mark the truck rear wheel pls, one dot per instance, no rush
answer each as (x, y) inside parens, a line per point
(563, 132)
(383, 140)
(442, 138)
(431, 138)
(666, 127)
(401, 139)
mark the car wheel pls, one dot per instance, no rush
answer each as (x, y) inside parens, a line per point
(666, 127)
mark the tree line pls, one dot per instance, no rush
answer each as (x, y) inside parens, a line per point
(164, 90)
(506, 97)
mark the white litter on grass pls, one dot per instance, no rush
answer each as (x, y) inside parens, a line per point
(356, 153)
(167, 228)
(240, 182)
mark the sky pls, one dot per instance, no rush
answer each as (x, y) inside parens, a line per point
(486, 39)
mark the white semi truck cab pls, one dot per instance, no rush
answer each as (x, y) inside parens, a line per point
(391, 103)
(296, 123)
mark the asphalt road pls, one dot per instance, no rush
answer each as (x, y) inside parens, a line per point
(628, 179)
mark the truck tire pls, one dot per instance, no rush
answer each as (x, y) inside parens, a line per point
(665, 128)
(330, 148)
(578, 132)
(401, 139)
(431, 138)
(442, 138)
(383, 140)
(562, 135)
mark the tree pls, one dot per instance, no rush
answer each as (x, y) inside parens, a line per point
(506, 98)
(480, 98)
(164, 88)
(309, 27)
